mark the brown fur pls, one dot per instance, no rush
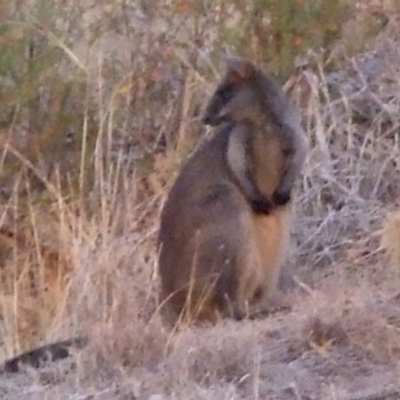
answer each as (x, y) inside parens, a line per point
(272, 236)
(218, 256)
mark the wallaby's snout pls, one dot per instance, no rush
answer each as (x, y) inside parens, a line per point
(216, 112)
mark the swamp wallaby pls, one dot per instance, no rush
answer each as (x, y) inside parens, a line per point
(225, 224)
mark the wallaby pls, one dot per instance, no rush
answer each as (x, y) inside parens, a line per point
(224, 227)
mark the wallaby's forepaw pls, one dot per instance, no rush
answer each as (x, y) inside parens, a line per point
(262, 206)
(281, 198)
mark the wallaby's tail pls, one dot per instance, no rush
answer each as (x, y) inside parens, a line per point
(51, 352)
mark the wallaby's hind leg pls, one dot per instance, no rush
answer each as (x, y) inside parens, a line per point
(213, 265)
(249, 276)
(236, 266)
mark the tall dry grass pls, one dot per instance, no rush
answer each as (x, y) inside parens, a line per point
(100, 105)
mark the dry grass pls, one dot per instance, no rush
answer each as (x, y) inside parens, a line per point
(77, 239)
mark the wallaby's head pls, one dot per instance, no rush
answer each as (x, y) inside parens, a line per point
(239, 96)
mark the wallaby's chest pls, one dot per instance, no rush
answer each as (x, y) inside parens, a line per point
(266, 160)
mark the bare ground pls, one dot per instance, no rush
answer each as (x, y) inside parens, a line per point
(339, 341)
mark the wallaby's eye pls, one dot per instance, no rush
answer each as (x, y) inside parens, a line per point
(221, 97)
(224, 93)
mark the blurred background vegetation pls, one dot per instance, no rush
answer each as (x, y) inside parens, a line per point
(63, 112)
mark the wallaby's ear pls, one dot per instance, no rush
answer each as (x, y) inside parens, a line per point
(238, 70)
